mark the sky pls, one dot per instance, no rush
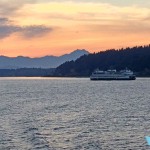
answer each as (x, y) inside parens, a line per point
(38, 28)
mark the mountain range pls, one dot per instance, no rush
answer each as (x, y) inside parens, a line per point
(41, 62)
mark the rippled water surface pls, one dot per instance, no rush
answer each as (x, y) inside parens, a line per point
(74, 114)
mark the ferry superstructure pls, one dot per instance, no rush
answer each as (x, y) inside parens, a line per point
(113, 75)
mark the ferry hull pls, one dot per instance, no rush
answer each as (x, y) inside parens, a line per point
(109, 78)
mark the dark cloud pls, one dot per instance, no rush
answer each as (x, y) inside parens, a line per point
(7, 30)
(4, 20)
(8, 8)
(26, 32)
(35, 31)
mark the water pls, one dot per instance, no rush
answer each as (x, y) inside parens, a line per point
(74, 114)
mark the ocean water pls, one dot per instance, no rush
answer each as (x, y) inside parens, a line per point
(74, 114)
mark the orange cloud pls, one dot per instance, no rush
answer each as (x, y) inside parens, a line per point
(93, 26)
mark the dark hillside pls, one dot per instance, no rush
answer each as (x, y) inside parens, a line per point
(136, 59)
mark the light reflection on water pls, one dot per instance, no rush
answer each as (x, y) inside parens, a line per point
(73, 114)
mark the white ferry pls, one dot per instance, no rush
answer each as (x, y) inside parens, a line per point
(113, 75)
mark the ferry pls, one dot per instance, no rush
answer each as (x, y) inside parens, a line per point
(113, 75)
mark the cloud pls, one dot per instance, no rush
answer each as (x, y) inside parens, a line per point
(113, 2)
(7, 7)
(32, 31)
(7, 30)
(56, 13)
(4, 21)
(35, 30)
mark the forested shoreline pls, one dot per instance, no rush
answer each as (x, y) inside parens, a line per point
(136, 58)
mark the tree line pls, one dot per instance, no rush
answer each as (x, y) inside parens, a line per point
(136, 58)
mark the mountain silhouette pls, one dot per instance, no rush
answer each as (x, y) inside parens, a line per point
(42, 62)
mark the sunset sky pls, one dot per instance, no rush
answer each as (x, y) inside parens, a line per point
(37, 28)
